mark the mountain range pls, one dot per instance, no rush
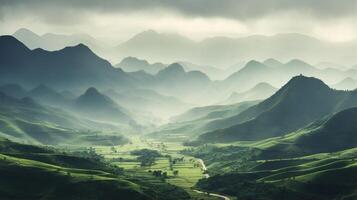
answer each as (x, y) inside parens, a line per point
(76, 67)
(216, 51)
(299, 102)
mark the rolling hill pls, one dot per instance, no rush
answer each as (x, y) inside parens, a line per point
(66, 176)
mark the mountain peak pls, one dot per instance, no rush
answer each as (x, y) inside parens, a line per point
(174, 68)
(10, 43)
(271, 62)
(302, 82)
(263, 85)
(297, 62)
(25, 32)
(133, 60)
(253, 65)
(92, 91)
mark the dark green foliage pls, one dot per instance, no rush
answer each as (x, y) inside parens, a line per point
(300, 102)
(146, 156)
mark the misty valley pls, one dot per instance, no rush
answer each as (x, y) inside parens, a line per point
(162, 117)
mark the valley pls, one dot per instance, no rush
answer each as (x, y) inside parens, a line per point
(178, 126)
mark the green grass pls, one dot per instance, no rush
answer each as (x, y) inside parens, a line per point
(188, 174)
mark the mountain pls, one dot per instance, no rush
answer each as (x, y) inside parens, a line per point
(301, 101)
(175, 81)
(149, 45)
(52, 42)
(76, 67)
(276, 73)
(248, 77)
(95, 105)
(148, 105)
(260, 91)
(26, 120)
(132, 64)
(224, 51)
(212, 72)
(47, 95)
(271, 62)
(331, 134)
(346, 84)
(13, 90)
(197, 120)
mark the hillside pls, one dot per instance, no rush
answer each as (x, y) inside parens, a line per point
(132, 64)
(301, 101)
(76, 67)
(258, 92)
(297, 165)
(27, 121)
(62, 176)
(95, 105)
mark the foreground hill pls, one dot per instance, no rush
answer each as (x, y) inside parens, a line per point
(301, 101)
(335, 133)
(316, 162)
(72, 176)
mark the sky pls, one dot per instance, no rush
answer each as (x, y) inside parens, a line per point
(118, 20)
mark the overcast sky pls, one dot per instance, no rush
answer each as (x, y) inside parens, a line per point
(333, 20)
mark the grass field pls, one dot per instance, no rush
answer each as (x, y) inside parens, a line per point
(189, 170)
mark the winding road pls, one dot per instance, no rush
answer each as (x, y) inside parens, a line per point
(204, 168)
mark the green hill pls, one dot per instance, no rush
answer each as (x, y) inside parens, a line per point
(48, 174)
(301, 101)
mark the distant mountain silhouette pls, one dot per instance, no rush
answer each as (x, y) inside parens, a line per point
(49, 96)
(13, 90)
(51, 42)
(301, 101)
(132, 64)
(277, 73)
(260, 91)
(225, 51)
(346, 84)
(175, 81)
(76, 67)
(95, 105)
(271, 62)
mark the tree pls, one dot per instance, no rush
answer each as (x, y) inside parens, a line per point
(176, 172)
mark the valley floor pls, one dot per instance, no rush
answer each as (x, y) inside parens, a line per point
(190, 169)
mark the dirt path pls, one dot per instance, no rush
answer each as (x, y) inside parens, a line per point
(204, 168)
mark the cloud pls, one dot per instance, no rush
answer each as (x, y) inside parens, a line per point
(234, 9)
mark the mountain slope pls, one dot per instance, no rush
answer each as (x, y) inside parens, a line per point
(301, 101)
(332, 134)
(260, 91)
(66, 175)
(46, 95)
(52, 42)
(132, 64)
(95, 105)
(76, 67)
